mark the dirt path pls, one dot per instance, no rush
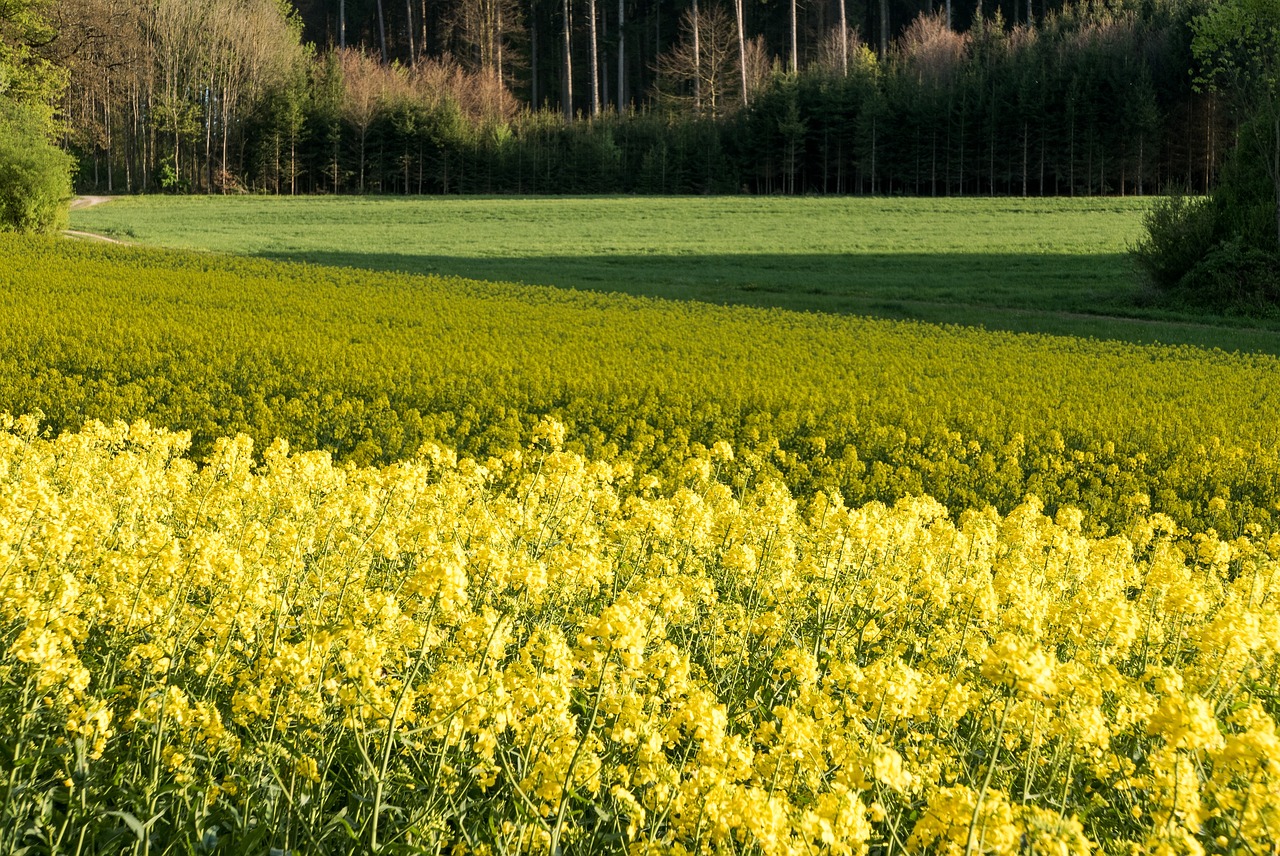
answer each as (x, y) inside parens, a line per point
(79, 204)
(89, 236)
(88, 201)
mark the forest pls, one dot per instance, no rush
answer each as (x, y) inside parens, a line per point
(648, 96)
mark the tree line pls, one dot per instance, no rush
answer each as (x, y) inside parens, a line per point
(231, 95)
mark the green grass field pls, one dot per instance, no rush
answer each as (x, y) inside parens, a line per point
(1054, 266)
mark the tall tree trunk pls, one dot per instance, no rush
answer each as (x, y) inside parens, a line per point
(949, 24)
(844, 39)
(622, 55)
(408, 29)
(1142, 151)
(1275, 168)
(604, 57)
(794, 59)
(1025, 151)
(226, 126)
(884, 28)
(140, 133)
(742, 48)
(208, 140)
(533, 62)
(595, 60)
(110, 148)
(342, 24)
(1208, 146)
(697, 59)
(382, 33)
(873, 155)
(567, 86)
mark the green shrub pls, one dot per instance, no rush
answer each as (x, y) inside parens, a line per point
(35, 175)
(1219, 252)
(1236, 275)
(1179, 234)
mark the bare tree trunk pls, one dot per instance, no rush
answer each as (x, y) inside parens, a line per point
(1275, 168)
(382, 33)
(697, 59)
(595, 60)
(1071, 155)
(844, 39)
(533, 62)
(130, 149)
(1208, 145)
(139, 142)
(884, 28)
(567, 86)
(794, 60)
(742, 48)
(208, 140)
(622, 54)
(873, 155)
(1025, 150)
(1142, 150)
(408, 29)
(110, 149)
(949, 24)
(342, 24)
(226, 126)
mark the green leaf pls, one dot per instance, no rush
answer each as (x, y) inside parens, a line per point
(136, 826)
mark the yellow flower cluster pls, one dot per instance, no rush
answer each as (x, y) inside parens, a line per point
(540, 652)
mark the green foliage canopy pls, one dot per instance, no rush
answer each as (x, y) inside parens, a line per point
(26, 77)
(35, 175)
(1224, 251)
(1237, 43)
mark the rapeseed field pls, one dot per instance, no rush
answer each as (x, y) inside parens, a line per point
(543, 653)
(303, 560)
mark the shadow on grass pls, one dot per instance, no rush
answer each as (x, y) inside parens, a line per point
(1097, 296)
